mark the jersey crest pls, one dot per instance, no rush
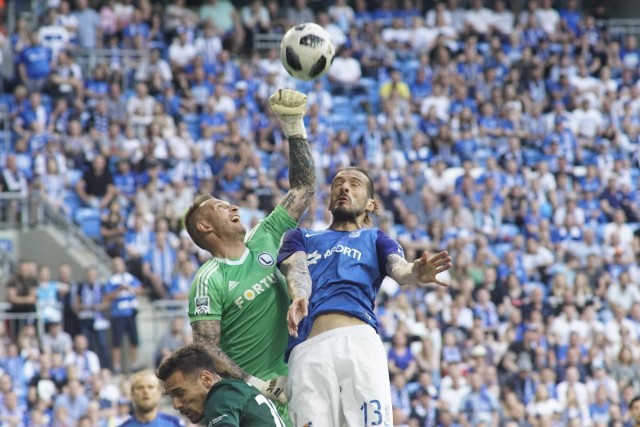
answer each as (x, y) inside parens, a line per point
(265, 259)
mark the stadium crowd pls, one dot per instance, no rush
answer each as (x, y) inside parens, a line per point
(508, 139)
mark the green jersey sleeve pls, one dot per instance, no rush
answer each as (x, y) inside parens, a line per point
(274, 225)
(206, 296)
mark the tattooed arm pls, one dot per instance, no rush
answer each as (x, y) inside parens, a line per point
(421, 271)
(302, 178)
(296, 271)
(207, 333)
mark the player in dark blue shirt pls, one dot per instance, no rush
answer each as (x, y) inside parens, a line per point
(334, 276)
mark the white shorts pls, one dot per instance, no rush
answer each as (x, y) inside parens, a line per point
(340, 378)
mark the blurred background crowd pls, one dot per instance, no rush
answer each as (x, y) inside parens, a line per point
(504, 132)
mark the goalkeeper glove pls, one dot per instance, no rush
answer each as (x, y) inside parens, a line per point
(290, 105)
(273, 388)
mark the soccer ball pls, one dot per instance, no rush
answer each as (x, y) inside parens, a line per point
(306, 51)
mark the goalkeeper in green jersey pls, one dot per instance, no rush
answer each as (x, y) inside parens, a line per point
(199, 393)
(238, 300)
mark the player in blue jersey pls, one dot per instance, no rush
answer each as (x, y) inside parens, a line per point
(146, 392)
(337, 364)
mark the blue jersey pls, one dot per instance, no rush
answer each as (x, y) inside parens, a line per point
(36, 61)
(346, 267)
(125, 303)
(162, 420)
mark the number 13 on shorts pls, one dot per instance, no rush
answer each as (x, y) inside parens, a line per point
(373, 414)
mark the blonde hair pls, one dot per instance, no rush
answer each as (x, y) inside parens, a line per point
(138, 376)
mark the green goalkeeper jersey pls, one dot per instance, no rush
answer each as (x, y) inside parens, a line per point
(249, 297)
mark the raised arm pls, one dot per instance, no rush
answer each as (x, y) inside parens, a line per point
(289, 105)
(422, 271)
(207, 333)
(298, 278)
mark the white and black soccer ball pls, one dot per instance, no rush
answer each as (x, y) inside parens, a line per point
(306, 51)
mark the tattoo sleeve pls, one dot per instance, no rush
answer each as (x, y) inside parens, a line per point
(207, 333)
(302, 178)
(400, 270)
(296, 271)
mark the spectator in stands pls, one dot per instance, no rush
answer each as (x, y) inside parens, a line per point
(298, 13)
(181, 52)
(12, 413)
(34, 64)
(49, 295)
(96, 188)
(73, 400)
(90, 303)
(121, 291)
(22, 292)
(13, 181)
(89, 31)
(175, 337)
(255, 19)
(113, 229)
(154, 64)
(223, 15)
(84, 360)
(345, 73)
(140, 107)
(146, 393)
(56, 340)
(158, 265)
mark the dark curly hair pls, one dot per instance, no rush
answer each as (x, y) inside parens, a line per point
(190, 360)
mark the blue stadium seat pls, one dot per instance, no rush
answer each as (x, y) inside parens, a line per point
(193, 124)
(500, 249)
(507, 232)
(72, 203)
(340, 122)
(342, 110)
(88, 219)
(74, 175)
(341, 101)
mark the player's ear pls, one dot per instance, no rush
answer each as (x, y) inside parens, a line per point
(371, 206)
(208, 378)
(203, 227)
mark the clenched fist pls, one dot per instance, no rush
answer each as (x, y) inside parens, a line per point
(290, 105)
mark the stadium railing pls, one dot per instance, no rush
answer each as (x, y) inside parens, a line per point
(125, 60)
(33, 210)
(624, 26)
(266, 41)
(5, 126)
(14, 321)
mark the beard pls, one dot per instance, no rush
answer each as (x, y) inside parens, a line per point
(345, 214)
(146, 407)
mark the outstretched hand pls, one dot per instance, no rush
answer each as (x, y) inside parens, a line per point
(298, 310)
(426, 269)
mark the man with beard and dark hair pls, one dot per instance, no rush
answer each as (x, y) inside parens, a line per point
(145, 394)
(333, 277)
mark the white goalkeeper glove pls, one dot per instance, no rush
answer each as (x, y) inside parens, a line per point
(290, 105)
(273, 388)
